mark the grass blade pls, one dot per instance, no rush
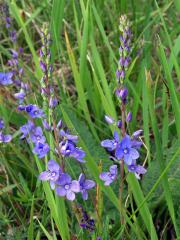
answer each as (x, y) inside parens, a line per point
(159, 151)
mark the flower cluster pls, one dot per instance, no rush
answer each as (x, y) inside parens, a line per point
(118, 123)
(35, 135)
(47, 91)
(63, 184)
(85, 221)
(109, 177)
(68, 147)
(4, 138)
(126, 149)
(66, 143)
(15, 67)
(6, 78)
(14, 76)
(125, 48)
(33, 110)
(8, 21)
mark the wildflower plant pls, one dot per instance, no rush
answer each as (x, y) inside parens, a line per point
(61, 143)
(65, 143)
(80, 180)
(124, 149)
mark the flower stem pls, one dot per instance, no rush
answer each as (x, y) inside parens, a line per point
(123, 132)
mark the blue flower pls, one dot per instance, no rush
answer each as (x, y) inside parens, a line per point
(137, 169)
(5, 138)
(78, 154)
(85, 184)
(66, 135)
(37, 135)
(33, 110)
(67, 187)
(68, 146)
(6, 78)
(136, 144)
(41, 149)
(126, 151)
(21, 108)
(26, 129)
(68, 149)
(20, 95)
(109, 177)
(52, 174)
(111, 144)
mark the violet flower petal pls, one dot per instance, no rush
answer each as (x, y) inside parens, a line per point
(44, 176)
(60, 191)
(70, 195)
(75, 187)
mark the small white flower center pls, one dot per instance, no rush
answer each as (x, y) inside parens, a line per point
(125, 150)
(53, 174)
(66, 186)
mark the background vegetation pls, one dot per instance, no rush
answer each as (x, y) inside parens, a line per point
(85, 42)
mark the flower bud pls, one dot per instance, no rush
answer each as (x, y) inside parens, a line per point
(46, 125)
(53, 102)
(109, 119)
(119, 124)
(129, 117)
(137, 133)
(59, 125)
(1, 123)
(43, 66)
(122, 93)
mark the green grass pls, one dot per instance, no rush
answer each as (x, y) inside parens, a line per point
(85, 42)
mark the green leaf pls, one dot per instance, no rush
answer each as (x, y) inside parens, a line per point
(56, 26)
(49, 237)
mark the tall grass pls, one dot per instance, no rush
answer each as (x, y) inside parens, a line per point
(85, 55)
